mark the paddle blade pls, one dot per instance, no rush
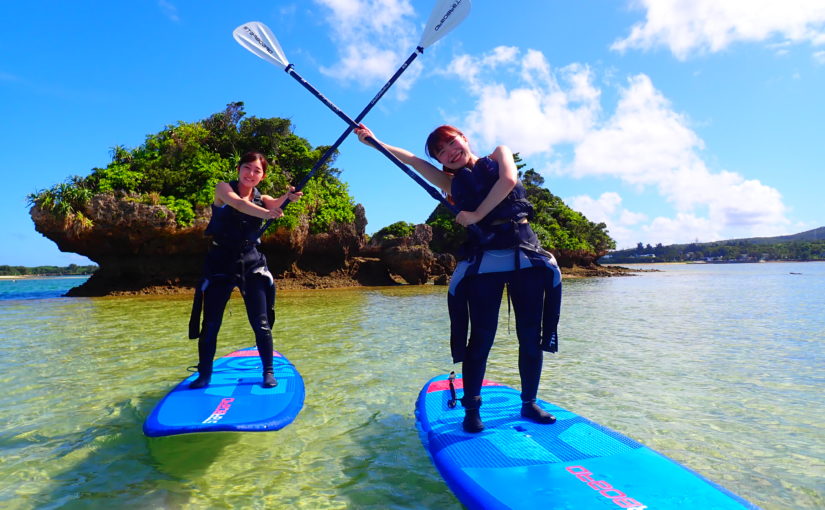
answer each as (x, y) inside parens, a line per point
(257, 38)
(446, 15)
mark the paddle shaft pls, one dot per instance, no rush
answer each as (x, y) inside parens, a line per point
(445, 16)
(417, 178)
(353, 124)
(346, 133)
(358, 119)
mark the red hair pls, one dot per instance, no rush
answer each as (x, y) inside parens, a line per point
(440, 136)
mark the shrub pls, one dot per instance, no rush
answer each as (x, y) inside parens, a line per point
(396, 230)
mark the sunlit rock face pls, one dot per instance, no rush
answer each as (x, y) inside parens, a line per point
(140, 249)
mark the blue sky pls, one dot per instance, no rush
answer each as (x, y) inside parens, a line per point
(669, 120)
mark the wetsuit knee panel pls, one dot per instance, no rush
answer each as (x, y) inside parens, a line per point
(260, 323)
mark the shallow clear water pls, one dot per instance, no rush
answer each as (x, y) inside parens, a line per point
(38, 288)
(721, 367)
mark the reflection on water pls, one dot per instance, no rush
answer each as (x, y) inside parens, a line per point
(718, 367)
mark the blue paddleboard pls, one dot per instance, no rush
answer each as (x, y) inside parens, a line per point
(573, 463)
(235, 400)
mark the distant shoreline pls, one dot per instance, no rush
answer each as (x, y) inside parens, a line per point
(40, 276)
(712, 262)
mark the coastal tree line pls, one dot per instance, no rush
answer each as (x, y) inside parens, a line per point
(71, 269)
(723, 251)
(179, 166)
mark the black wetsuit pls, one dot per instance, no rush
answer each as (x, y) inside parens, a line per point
(511, 256)
(234, 261)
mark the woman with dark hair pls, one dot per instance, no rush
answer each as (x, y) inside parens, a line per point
(238, 212)
(489, 194)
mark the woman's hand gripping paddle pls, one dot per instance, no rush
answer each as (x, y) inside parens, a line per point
(258, 39)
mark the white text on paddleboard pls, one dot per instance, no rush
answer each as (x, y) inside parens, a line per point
(605, 489)
(220, 411)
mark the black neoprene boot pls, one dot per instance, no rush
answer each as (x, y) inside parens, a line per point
(204, 377)
(269, 380)
(533, 412)
(472, 417)
(265, 349)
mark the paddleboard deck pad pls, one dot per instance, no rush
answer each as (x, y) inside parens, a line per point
(571, 464)
(234, 400)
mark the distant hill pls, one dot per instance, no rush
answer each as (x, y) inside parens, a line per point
(817, 234)
(808, 245)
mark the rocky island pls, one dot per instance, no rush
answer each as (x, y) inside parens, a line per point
(142, 218)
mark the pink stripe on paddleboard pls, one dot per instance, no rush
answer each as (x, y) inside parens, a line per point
(458, 384)
(249, 353)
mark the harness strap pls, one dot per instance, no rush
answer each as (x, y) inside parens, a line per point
(195, 315)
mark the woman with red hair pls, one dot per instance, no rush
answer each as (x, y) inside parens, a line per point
(489, 194)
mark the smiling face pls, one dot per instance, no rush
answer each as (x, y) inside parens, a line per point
(251, 173)
(450, 147)
(454, 153)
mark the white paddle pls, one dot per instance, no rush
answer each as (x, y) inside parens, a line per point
(258, 39)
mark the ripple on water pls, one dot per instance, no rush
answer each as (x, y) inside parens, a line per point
(719, 368)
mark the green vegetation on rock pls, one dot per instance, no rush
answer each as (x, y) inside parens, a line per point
(558, 227)
(179, 167)
(394, 231)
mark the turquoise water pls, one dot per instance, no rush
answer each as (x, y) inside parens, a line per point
(721, 367)
(38, 288)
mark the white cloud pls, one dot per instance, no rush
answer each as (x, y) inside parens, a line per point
(683, 228)
(621, 223)
(696, 26)
(373, 37)
(534, 115)
(602, 209)
(642, 140)
(628, 228)
(644, 143)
